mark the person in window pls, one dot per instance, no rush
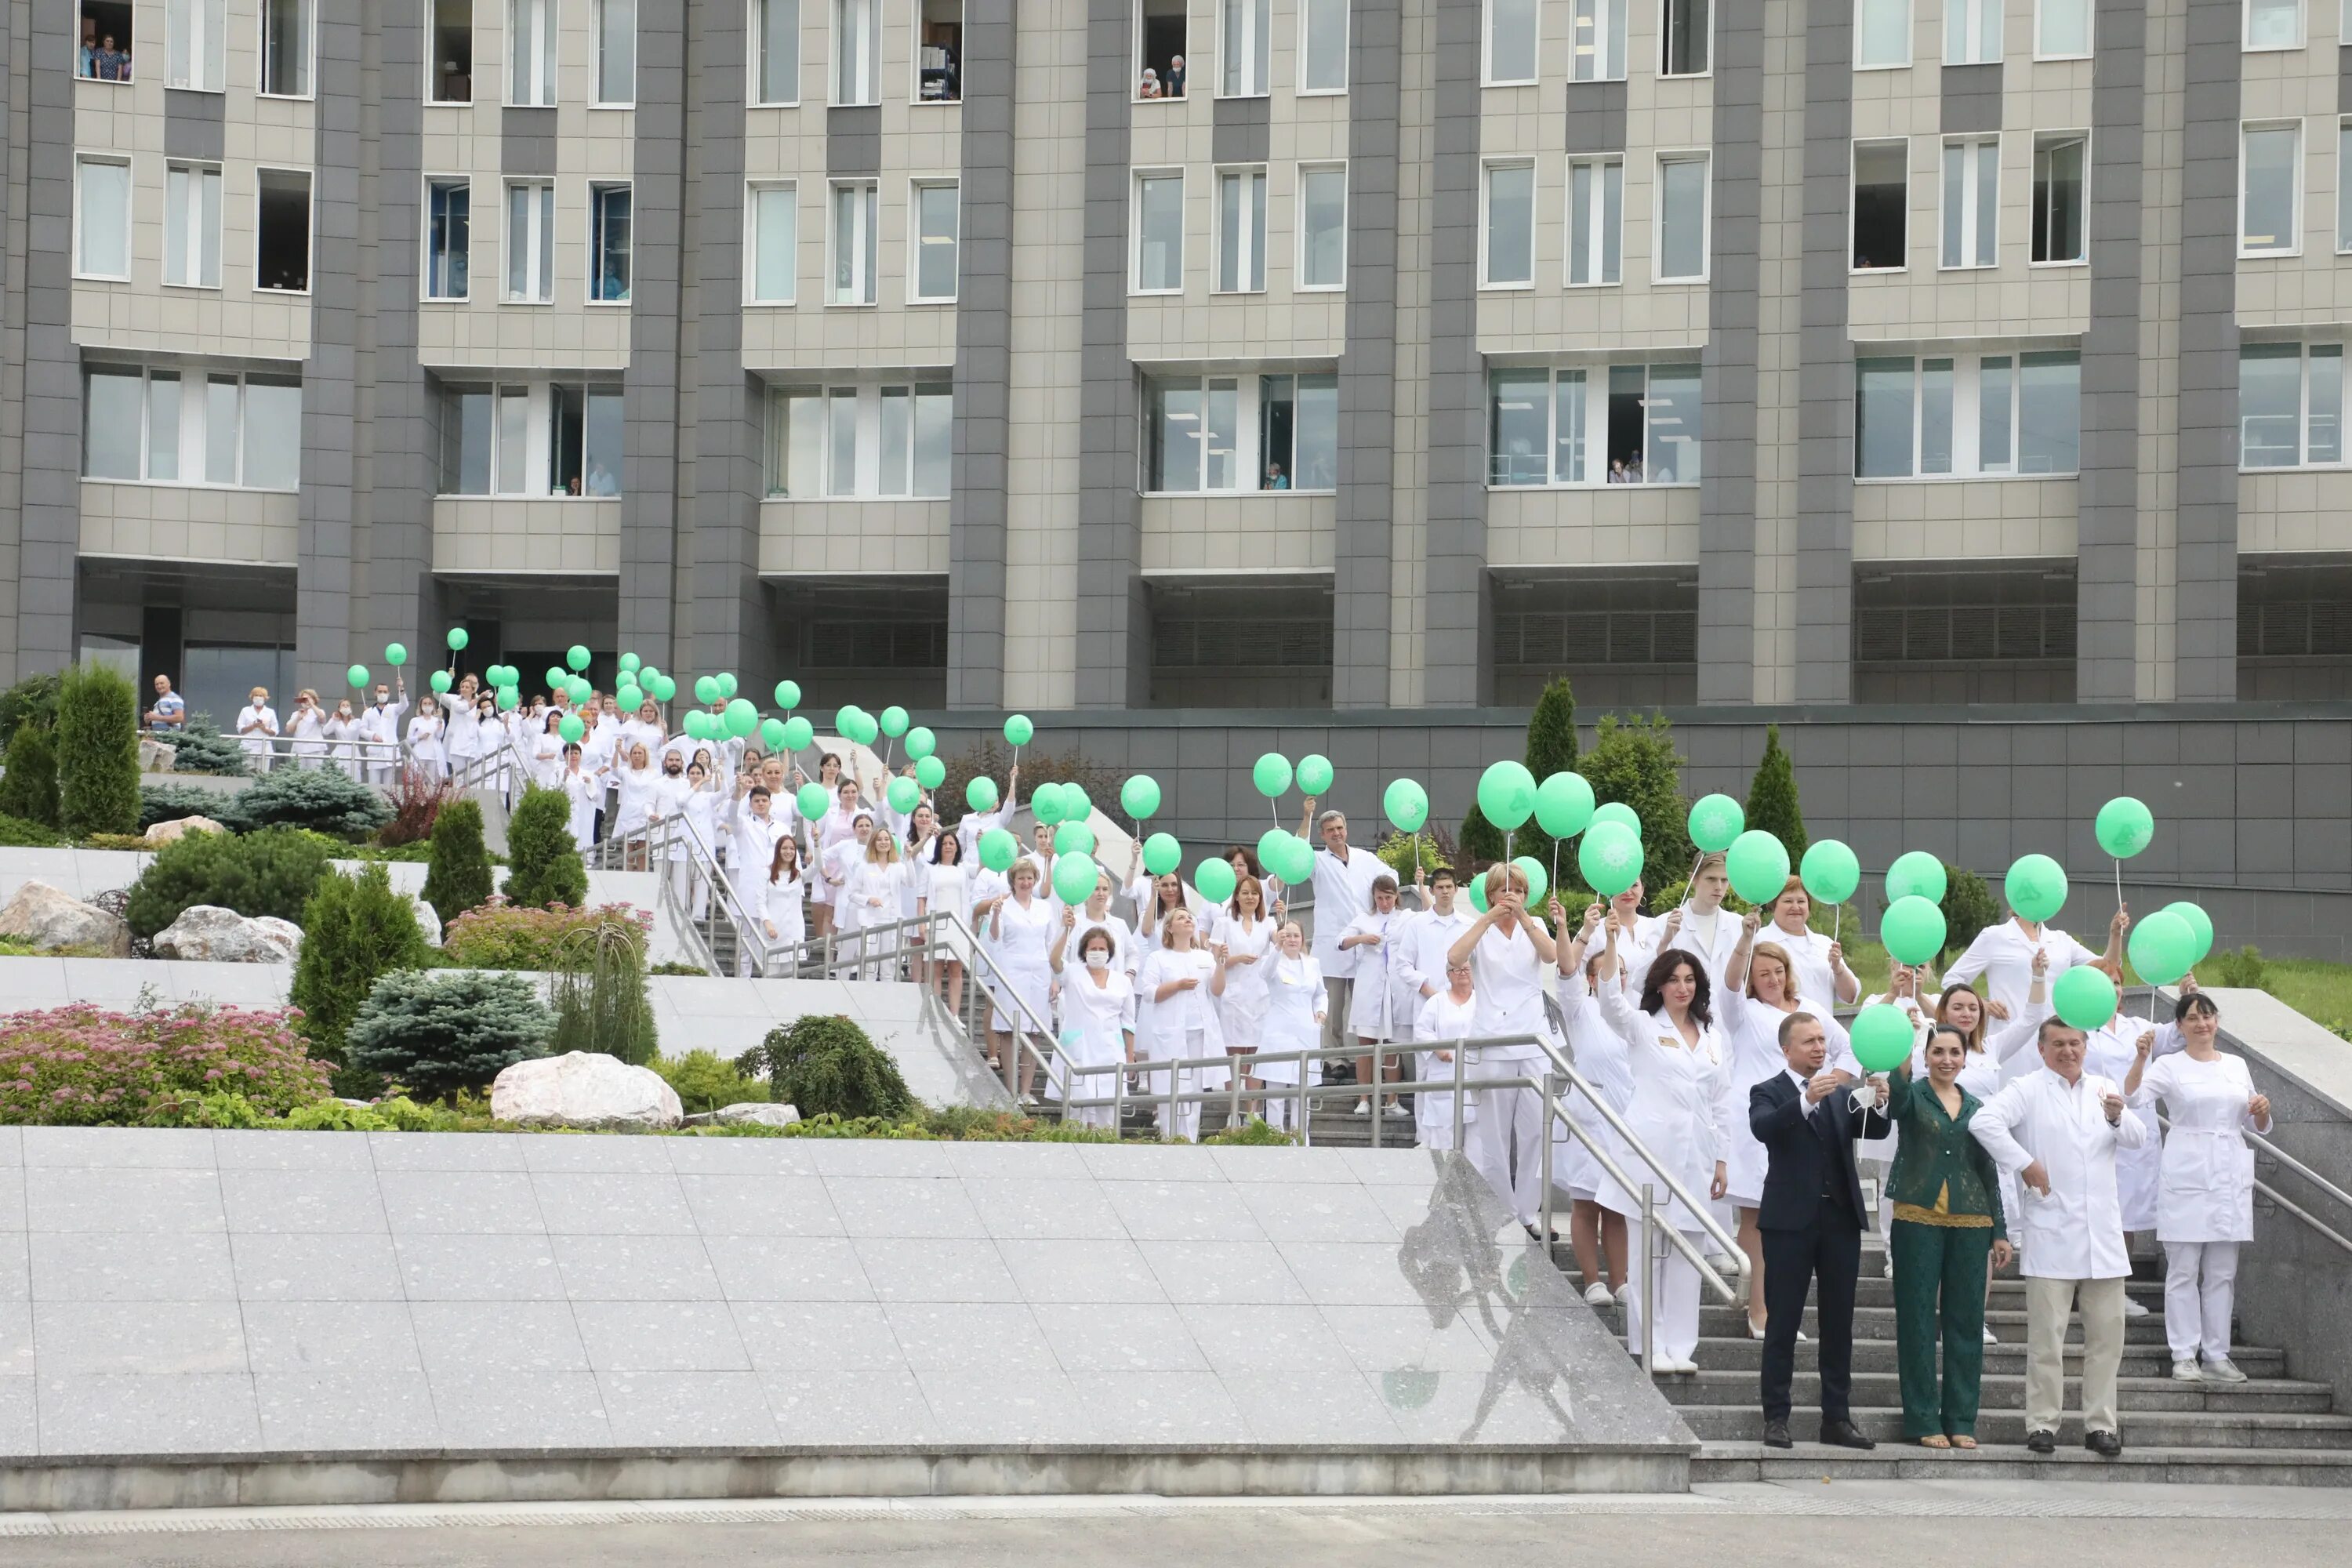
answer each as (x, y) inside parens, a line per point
(1174, 81)
(601, 481)
(112, 64)
(1150, 87)
(86, 59)
(1276, 480)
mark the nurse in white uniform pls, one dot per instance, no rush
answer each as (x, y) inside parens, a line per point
(1097, 1024)
(1509, 953)
(1295, 1010)
(1819, 962)
(2003, 954)
(1598, 1055)
(1451, 1014)
(1183, 981)
(1248, 934)
(1019, 928)
(1374, 1008)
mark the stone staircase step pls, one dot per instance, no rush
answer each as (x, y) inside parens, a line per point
(2142, 1462)
(2181, 1428)
(1744, 1355)
(1878, 1323)
(2006, 1391)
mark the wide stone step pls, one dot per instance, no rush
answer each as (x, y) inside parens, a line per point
(1879, 1355)
(2179, 1428)
(2006, 1391)
(2143, 1462)
(1878, 1323)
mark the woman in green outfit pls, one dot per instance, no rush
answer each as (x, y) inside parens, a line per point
(1947, 1219)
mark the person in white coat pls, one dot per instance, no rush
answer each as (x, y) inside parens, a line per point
(1509, 953)
(1597, 1234)
(784, 915)
(1343, 888)
(378, 730)
(1246, 931)
(752, 830)
(867, 910)
(1019, 930)
(426, 751)
(1183, 981)
(1420, 975)
(2057, 1131)
(582, 790)
(547, 751)
(307, 726)
(1097, 1001)
(1820, 964)
(1296, 1000)
(2003, 956)
(2205, 1205)
(256, 729)
(947, 889)
(1369, 943)
(1703, 928)
(341, 733)
(1452, 1014)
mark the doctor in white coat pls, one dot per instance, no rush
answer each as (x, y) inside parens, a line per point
(1510, 956)
(2057, 1131)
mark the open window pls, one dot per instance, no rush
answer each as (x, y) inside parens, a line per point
(281, 235)
(450, 72)
(939, 53)
(610, 209)
(1160, 39)
(449, 238)
(103, 53)
(1881, 204)
(286, 48)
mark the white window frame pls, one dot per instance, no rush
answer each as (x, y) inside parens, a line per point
(865, 397)
(1665, 12)
(1594, 442)
(755, 34)
(1601, 235)
(193, 237)
(1977, 11)
(1973, 219)
(2040, 138)
(425, 237)
(594, 189)
(1486, 72)
(1347, 196)
(916, 186)
(541, 255)
(1488, 168)
(2294, 189)
(1250, 457)
(311, 66)
(194, 432)
(1907, 29)
(1853, 203)
(2344, 184)
(1347, 40)
(432, 62)
(311, 240)
(863, 257)
(1705, 157)
(1256, 61)
(209, 22)
(596, 99)
(1135, 179)
(2306, 349)
(124, 163)
(752, 251)
(2246, 30)
(1611, 25)
(2091, 11)
(548, 17)
(1250, 250)
(837, 73)
(1967, 404)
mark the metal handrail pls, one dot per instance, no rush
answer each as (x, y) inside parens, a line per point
(2263, 1145)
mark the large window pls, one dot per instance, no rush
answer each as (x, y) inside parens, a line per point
(1161, 70)
(2270, 180)
(449, 238)
(2062, 30)
(533, 439)
(1511, 30)
(192, 225)
(2059, 161)
(531, 52)
(1882, 205)
(1683, 37)
(1322, 45)
(1971, 201)
(775, 51)
(1597, 40)
(282, 230)
(1510, 225)
(772, 216)
(1247, 48)
(1968, 416)
(449, 74)
(1241, 231)
(1240, 432)
(192, 427)
(1594, 424)
(939, 52)
(2274, 24)
(616, 51)
(195, 40)
(1682, 217)
(1882, 34)
(936, 215)
(857, 239)
(857, 51)
(1596, 220)
(2290, 405)
(530, 242)
(103, 53)
(861, 442)
(1972, 32)
(609, 211)
(1322, 226)
(1159, 229)
(286, 48)
(102, 217)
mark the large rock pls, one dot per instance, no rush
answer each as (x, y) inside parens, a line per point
(428, 919)
(164, 833)
(584, 1088)
(212, 934)
(45, 917)
(155, 757)
(759, 1111)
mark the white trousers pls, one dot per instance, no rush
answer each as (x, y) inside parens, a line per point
(1505, 1143)
(2200, 1280)
(1676, 1295)
(1282, 1110)
(1183, 1118)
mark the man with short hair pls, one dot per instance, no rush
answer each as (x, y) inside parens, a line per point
(170, 714)
(1343, 889)
(2057, 1131)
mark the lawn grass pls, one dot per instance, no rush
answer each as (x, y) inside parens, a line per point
(2320, 990)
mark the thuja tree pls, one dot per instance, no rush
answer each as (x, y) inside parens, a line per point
(97, 752)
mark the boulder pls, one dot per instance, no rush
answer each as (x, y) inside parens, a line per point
(45, 917)
(584, 1088)
(164, 833)
(428, 919)
(155, 757)
(759, 1111)
(212, 934)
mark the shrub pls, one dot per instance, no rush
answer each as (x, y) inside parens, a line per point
(1772, 798)
(705, 1080)
(459, 876)
(1968, 905)
(30, 789)
(218, 1109)
(545, 868)
(598, 992)
(200, 748)
(170, 802)
(438, 1034)
(1634, 761)
(132, 841)
(273, 872)
(334, 1116)
(16, 833)
(824, 1064)
(97, 752)
(324, 800)
(1396, 852)
(672, 966)
(499, 936)
(1253, 1133)
(354, 930)
(31, 699)
(2240, 968)
(85, 1067)
(416, 800)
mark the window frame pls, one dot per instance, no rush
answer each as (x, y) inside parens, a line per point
(553, 11)
(916, 185)
(425, 294)
(1487, 77)
(1612, 28)
(310, 241)
(1909, 33)
(1602, 161)
(2091, 19)
(2246, 28)
(220, 236)
(1253, 247)
(1250, 448)
(871, 271)
(428, 31)
(1594, 441)
(1248, 53)
(2295, 199)
(756, 33)
(1298, 87)
(1972, 220)
(215, 10)
(2344, 184)
(837, 34)
(1488, 168)
(1704, 156)
(1967, 361)
(1665, 36)
(128, 166)
(1853, 203)
(2304, 348)
(596, 99)
(1977, 9)
(2044, 140)
(310, 68)
(546, 243)
(1135, 182)
(752, 251)
(1300, 171)
(590, 280)
(205, 373)
(863, 392)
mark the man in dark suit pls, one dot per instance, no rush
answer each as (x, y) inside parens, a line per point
(1811, 1221)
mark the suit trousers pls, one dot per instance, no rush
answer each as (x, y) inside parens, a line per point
(1829, 1251)
(2048, 1303)
(1939, 1291)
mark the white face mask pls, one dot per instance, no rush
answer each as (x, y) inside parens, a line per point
(1097, 959)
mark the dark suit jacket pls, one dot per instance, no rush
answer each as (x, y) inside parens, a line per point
(1807, 1152)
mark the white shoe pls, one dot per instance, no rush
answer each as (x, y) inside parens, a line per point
(2133, 1308)
(1396, 1108)
(1624, 1293)
(1803, 1336)
(1888, 1271)
(2222, 1369)
(1991, 1337)
(1755, 1332)
(1597, 1294)
(2186, 1372)
(1363, 1107)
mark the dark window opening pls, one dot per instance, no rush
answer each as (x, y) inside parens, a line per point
(281, 247)
(939, 64)
(452, 66)
(1624, 638)
(103, 51)
(1881, 197)
(1161, 34)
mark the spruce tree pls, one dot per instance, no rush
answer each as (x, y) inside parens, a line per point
(459, 876)
(543, 865)
(1772, 798)
(97, 752)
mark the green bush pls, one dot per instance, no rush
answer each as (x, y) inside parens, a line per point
(825, 1064)
(459, 876)
(437, 1034)
(16, 833)
(1772, 798)
(31, 699)
(200, 748)
(544, 865)
(705, 1081)
(323, 800)
(170, 802)
(1252, 1134)
(273, 872)
(97, 752)
(30, 789)
(598, 992)
(1969, 908)
(498, 936)
(1397, 850)
(354, 930)
(2240, 968)
(1634, 761)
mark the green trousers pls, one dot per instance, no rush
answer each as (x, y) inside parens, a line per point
(1939, 1289)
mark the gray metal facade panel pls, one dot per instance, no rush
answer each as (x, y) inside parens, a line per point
(853, 141)
(1824, 652)
(1455, 672)
(1971, 100)
(527, 141)
(649, 490)
(1596, 109)
(394, 539)
(1241, 129)
(982, 428)
(1727, 543)
(1361, 645)
(1114, 613)
(323, 643)
(196, 123)
(2205, 628)
(50, 516)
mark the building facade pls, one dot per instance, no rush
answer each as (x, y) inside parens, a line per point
(1383, 355)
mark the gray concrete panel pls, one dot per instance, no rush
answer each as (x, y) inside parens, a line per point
(1361, 646)
(982, 430)
(1114, 614)
(853, 141)
(2205, 626)
(527, 141)
(1240, 131)
(1825, 410)
(323, 643)
(1457, 668)
(1596, 109)
(195, 125)
(1728, 375)
(1971, 100)
(50, 526)
(650, 504)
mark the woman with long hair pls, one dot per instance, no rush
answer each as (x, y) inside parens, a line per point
(1373, 1004)
(1596, 1233)
(868, 909)
(947, 889)
(1019, 922)
(635, 780)
(785, 915)
(1248, 937)
(1184, 980)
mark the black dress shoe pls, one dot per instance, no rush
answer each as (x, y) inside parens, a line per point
(2042, 1442)
(2106, 1445)
(1776, 1435)
(1845, 1435)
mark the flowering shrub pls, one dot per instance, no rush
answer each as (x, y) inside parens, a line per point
(84, 1066)
(498, 935)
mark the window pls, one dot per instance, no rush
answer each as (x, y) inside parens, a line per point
(857, 233)
(773, 216)
(776, 51)
(1322, 45)
(531, 52)
(1510, 227)
(616, 51)
(1240, 432)
(1594, 424)
(1160, 50)
(1596, 219)
(2344, 186)
(530, 243)
(859, 442)
(195, 39)
(857, 51)
(449, 74)
(1597, 40)
(1972, 32)
(2062, 30)
(286, 48)
(1971, 201)
(101, 217)
(2059, 161)
(2270, 173)
(1882, 34)
(1682, 217)
(935, 239)
(1881, 199)
(104, 50)
(533, 439)
(609, 208)
(939, 52)
(1241, 231)
(192, 225)
(1968, 416)
(2274, 24)
(1248, 47)
(192, 427)
(2290, 405)
(449, 238)
(1511, 40)
(281, 231)
(1323, 227)
(1683, 38)
(1160, 233)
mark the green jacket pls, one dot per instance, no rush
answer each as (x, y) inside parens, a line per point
(1937, 1154)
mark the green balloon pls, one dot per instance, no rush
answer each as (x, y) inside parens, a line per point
(663, 688)
(1162, 853)
(1610, 856)
(577, 655)
(2125, 827)
(2036, 887)
(894, 721)
(1046, 803)
(1269, 853)
(696, 725)
(1538, 884)
(727, 685)
(1478, 892)
(2084, 997)
(1715, 822)
(577, 689)
(1075, 875)
(555, 678)
(2201, 924)
(771, 734)
(811, 803)
(1406, 804)
(1071, 839)
(2163, 947)
(1831, 871)
(1881, 1037)
(844, 721)
(570, 727)
(921, 742)
(1313, 773)
(1295, 861)
(441, 681)
(904, 795)
(457, 639)
(1564, 804)
(798, 733)
(1139, 797)
(1758, 864)
(1076, 805)
(1213, 877)
(1271, 774)
(631, 663)
(788, 695)
(706, 690)
(395, 654)
(980, 794)
(1617, 811)
(1507, 795)
(1912, 930)
(357, 675)
(741, 717)
(509, 698)
(998, 850)
(1916, 874)
(867, 728)
(630, 699)
(931, 773)
(1018, 730)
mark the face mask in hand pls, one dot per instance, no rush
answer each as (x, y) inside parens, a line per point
(1097, 959)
